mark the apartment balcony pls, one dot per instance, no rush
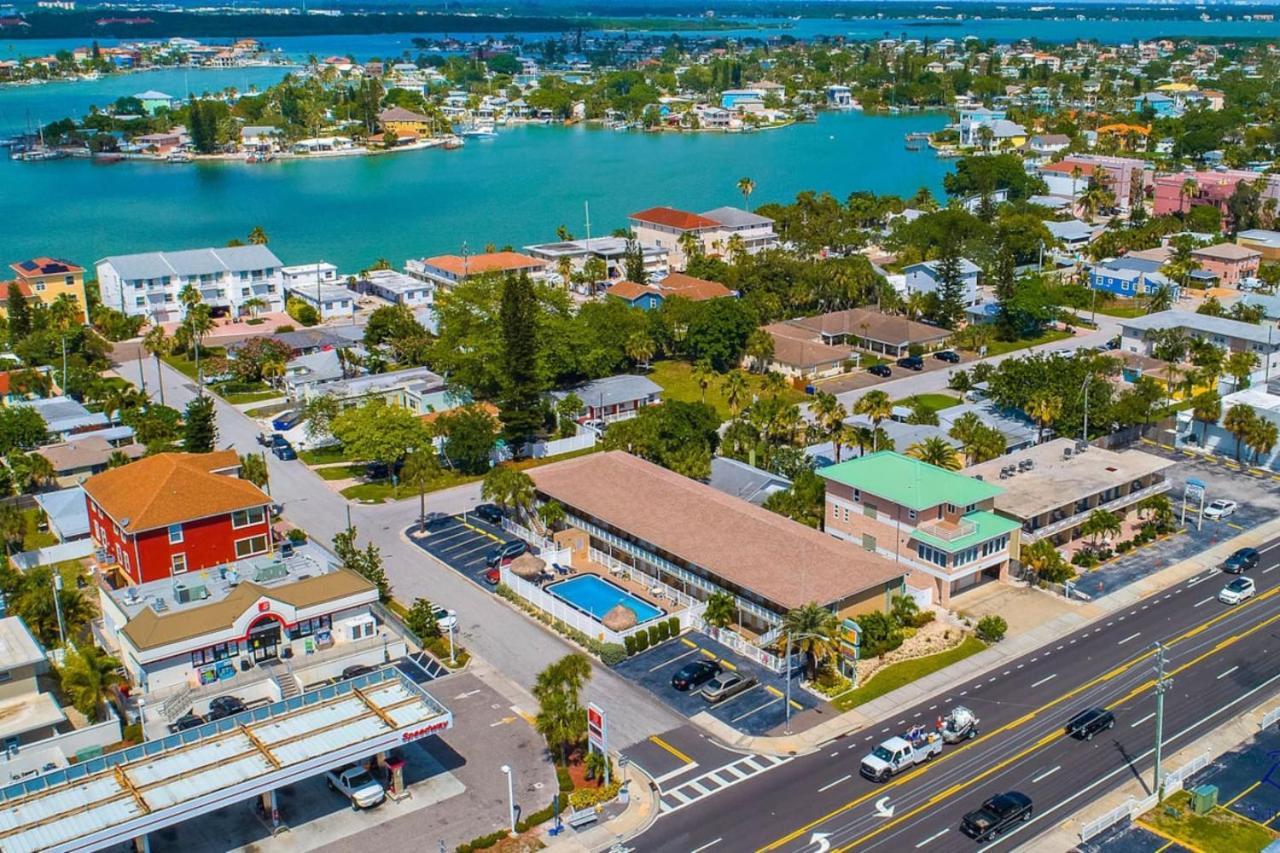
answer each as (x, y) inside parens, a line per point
(1070, 521)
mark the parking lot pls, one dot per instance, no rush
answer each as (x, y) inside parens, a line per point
(756, 711)
(461, 544)
(1257, 494)
(860, 378)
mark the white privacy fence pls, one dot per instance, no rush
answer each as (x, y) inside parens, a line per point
(735, 641)
(1132, 808)
(630, 572)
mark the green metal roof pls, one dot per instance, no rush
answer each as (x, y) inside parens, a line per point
(909, 482)
(987, 525)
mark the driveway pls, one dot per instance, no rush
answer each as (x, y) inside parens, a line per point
(756, 711)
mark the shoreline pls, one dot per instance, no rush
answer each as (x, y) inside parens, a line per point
(125, 72)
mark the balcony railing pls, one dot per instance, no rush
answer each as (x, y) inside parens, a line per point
(1072, 520)
(948, 531)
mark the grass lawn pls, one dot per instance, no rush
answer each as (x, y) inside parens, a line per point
(1126, 310)
(1002, 347)
(676, 379)
(896, 675)
(932, 402)
(250, 396)
(383, 490)
(340, 472)
(34, 537)
(1219, 831)
(324, 455)
(186, 363)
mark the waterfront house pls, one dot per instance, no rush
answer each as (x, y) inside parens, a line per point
(925, 277)
(49, 278)
(936, 524)
(1228, 262)
(448, 271)
(1267, 243)
(153, 101)
(331, 300)
(611, 250)
(1232, 335)
(613, 398)
(666, 226)
(405, 123)
(396, 288)
(750, 232)
(230, 280)
(839, 97)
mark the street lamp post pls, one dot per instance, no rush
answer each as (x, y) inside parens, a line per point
(511, 796)
(453, 660)
(57, 605)
(1162, 685)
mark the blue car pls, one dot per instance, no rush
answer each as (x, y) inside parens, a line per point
(286, 421)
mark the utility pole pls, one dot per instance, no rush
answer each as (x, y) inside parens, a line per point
(1162, 684)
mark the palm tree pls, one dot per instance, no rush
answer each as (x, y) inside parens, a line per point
(877, 406)
(1044, 408)
(1100, 523)
(1261, 437)
(509, 488)
(273, 370)
(87, 676)
(421, 468)
(827, 413)
(775, 383)
(1155, 507)
(640, 348)
(558, 689)
(703, 373)
(1186, 192)
(936, 451)
(1160, 299)
(254, 469)
(988, 444)
(759, 348)
(1206, 407)
(117, 459)
(159, 345)
(1240, 366)
(253, 306)
(1238, 422)
(734, 388)
(721, 610)
(551, 514)
(199, 323)
(258, 236)
(746, 186)
(811, 630)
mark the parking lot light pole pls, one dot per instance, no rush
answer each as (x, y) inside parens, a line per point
(511, 797)
(453, 659)
(1162, 684)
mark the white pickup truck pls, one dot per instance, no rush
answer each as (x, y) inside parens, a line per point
(357, 785)
(897, 754)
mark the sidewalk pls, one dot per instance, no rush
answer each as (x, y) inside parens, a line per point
(641, 812)
(994, 657)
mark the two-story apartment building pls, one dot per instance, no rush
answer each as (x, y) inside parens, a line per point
(611, 250)
(173, 513)
(448, 271)
(228, 279)
(938, 523)
(1228, 262)
(926, 277)
(49, 278)
(1139, 335)
(667, 227)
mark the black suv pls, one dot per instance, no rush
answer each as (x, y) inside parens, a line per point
(491, 513)
(880, 370)
(1088, 723)
(948, 355)
(996, 815)
(694, 674)
(224, 706)
(911, 362)
(1241, 561)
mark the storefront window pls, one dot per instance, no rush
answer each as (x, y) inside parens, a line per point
(307, 627)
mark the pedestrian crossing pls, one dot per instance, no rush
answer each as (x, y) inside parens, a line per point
(691, 790)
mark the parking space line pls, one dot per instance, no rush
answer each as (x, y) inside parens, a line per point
(672, 660)
(756, 709)
(671, 749)
(728, 665)
(737, 696)
(690, 643)
(1228, 803)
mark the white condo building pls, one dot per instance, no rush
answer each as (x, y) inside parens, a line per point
(149, 284)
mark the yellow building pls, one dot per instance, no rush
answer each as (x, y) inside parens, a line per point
(405, 123)
(49, 278)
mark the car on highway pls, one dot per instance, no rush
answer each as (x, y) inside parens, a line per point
(225, 706)
(1221, 508)
(900, 753)
(726, 685)
(694, 674)
(357, 785)
(1240, 589)
(996, 815)
(881, 370)
(911, 362)
(491, 513)
(504, 553)
(950, 356)
(1086, 724)
(1241, 561)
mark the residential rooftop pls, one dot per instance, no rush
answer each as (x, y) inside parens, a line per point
(909, 482)
(17, 645)
(670, 217)
(1060, 475)
(1227, 252)
(736, 217)
(612, 390)
(148, 265)
(460, 266)
(1202, 323)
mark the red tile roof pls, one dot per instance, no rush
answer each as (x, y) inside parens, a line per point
(44, 266)
(672, 218)
(1065, 167)
(490, 262)
(688, 287)
(630, 290)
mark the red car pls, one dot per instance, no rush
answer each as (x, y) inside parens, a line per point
(492, 577)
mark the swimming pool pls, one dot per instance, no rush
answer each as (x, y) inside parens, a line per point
(596, 596)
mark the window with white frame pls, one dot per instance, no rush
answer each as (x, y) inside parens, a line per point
(178, 562)
(250, 546)
(175, 534)
(247, 517)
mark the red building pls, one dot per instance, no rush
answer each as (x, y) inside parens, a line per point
(177, 512)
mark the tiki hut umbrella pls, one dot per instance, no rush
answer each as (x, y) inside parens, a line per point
(620, 618)
(527, 566)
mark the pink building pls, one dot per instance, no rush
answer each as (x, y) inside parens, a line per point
(1213, 188)
(1228, 262)
(1121, 175)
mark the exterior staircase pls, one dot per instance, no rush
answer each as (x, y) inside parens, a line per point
(283, 676)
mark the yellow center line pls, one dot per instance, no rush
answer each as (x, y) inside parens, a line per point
(924, 768)
(1052, 736)
(671, 749)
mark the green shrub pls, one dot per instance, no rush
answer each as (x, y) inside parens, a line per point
(612, 654)
(664, 631)
(654, 636)
(674, 624)
(297, 535)
(484, 842)
(642, 640)
(132, 733)
(564, 780)
(584, 798)
(992, 628)
(629, 642)
(924, 617)
(1124, 547)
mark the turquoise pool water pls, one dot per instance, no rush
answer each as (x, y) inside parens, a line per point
(597, 596)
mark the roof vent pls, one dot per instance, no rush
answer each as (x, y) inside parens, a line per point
(158, 604)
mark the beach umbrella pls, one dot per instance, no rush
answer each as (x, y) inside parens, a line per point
(527, 566)
(620, 618)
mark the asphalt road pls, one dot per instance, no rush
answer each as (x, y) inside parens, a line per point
(1222, 659)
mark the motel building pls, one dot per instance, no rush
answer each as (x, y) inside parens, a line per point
(659, 544)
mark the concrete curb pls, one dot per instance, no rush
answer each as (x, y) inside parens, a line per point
(641, 812)
(991, 658)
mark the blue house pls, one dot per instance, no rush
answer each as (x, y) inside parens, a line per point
(1162, 105)
(1129, 277)
(642, 296)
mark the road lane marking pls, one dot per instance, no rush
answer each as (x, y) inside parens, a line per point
(1046, 774)
(1228, 672)
(1137, 723)
(1205, 601)
(1272, 569)
(932, 838)
(1128, 638)
(830, 785)
(1044, 680)
(707, 846)
(671, 749)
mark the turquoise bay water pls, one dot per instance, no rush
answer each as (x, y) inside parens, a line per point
(511, 190)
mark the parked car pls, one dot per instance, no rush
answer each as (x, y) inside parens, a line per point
(1241, 561)
(491, 513)
(357, 785)
(880, 370)
(286, 421)
(950, 356)
(911, 362)
(1240, 589)
(493, 577)
(502, 554)
(694, 674)
(267, 439)
(1086, 724)
(225, 706)
(357, 670)
(726, 685)
(445, 618)
(284, 451)
(996, 815)
(1221, 508)
(189, 721)
(436, 520)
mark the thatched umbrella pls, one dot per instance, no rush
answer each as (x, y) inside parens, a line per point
(527, 566)
(620, 618)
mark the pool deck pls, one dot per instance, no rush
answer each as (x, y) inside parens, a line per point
(584, 566)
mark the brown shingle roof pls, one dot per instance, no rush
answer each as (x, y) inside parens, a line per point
(872, 324)
(1228, 252)
(695, 289)
(803, 354)
(672, 218)
(86, 452)
(629, 290)
(169, 488)
(743, 545)
(149, 630)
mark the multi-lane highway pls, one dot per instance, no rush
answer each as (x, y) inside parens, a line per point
(1222, 659)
